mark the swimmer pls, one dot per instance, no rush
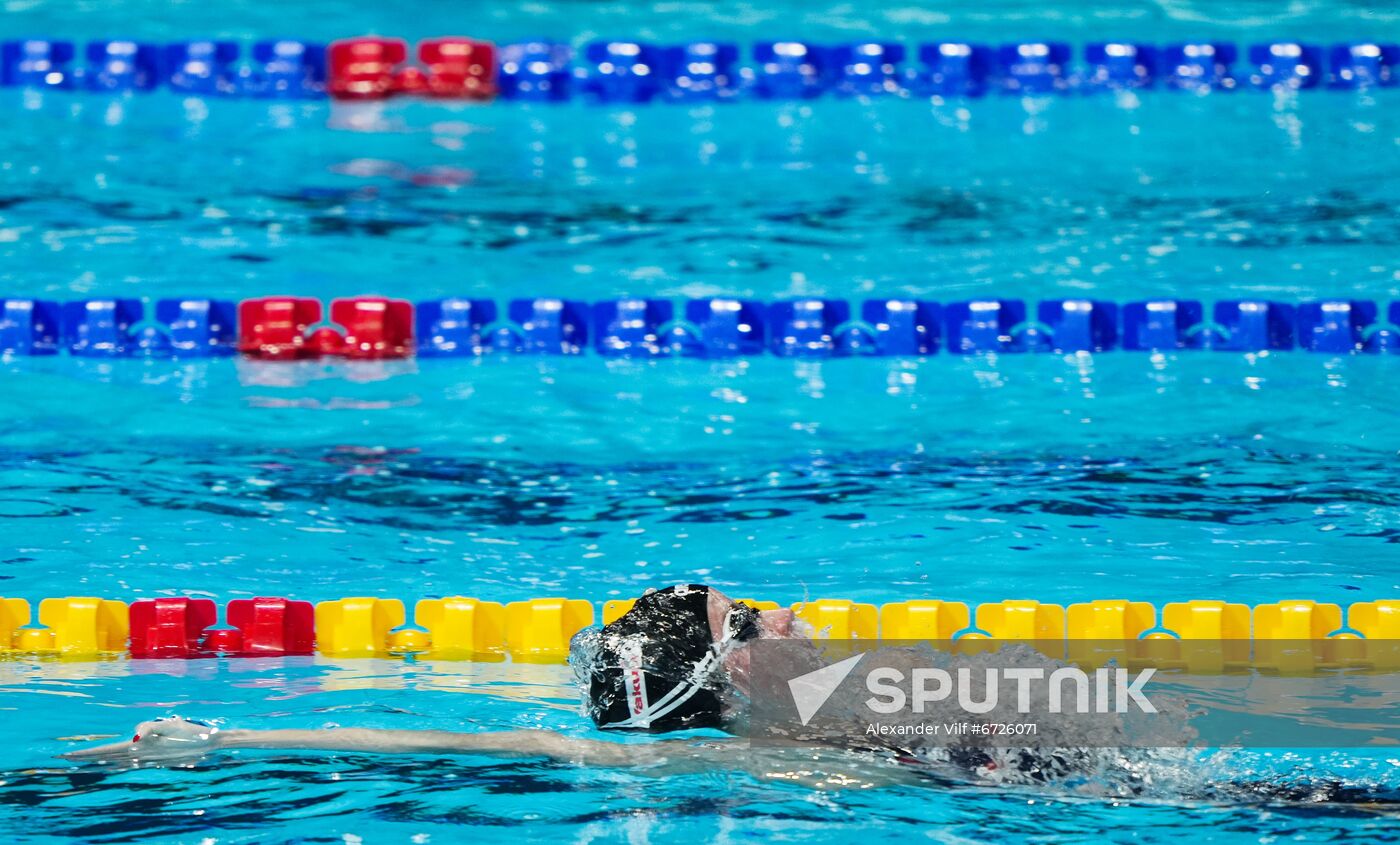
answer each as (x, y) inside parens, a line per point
(666, 665)
(677, 660)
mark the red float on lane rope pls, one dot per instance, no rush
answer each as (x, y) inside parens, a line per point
(274, 328)
(364, 68)
(273, 626)
(170, 627)
(374, 327)
(366, 328)
(459, 67)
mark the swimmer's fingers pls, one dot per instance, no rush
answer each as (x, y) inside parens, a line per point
(146, 752)
(110, 751)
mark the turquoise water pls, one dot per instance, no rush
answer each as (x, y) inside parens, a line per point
(1153, 478)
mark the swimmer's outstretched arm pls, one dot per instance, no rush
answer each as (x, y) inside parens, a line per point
(176, 739)
(514, 744)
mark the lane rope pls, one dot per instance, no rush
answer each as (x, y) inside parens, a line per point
(539, 630)
(455, 68)
(286, 328)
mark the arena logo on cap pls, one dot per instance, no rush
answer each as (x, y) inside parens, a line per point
(631, 654)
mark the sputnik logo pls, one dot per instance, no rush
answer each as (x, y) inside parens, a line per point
(811, 691)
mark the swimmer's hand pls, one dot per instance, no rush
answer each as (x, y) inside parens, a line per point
(173, 739)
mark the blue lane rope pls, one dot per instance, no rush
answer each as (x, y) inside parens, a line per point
(702, 71)
(371, 327)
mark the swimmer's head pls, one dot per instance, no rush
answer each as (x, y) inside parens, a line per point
(666, 664)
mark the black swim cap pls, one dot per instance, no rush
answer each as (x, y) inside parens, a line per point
(654, 668)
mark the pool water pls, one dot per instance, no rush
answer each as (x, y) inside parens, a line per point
(1156, 478)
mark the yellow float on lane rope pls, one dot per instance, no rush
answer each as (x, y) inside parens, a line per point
(356, 627)
(81, 626)
(840, 619)
(923, 619)
(462, 628)
(539, 630)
